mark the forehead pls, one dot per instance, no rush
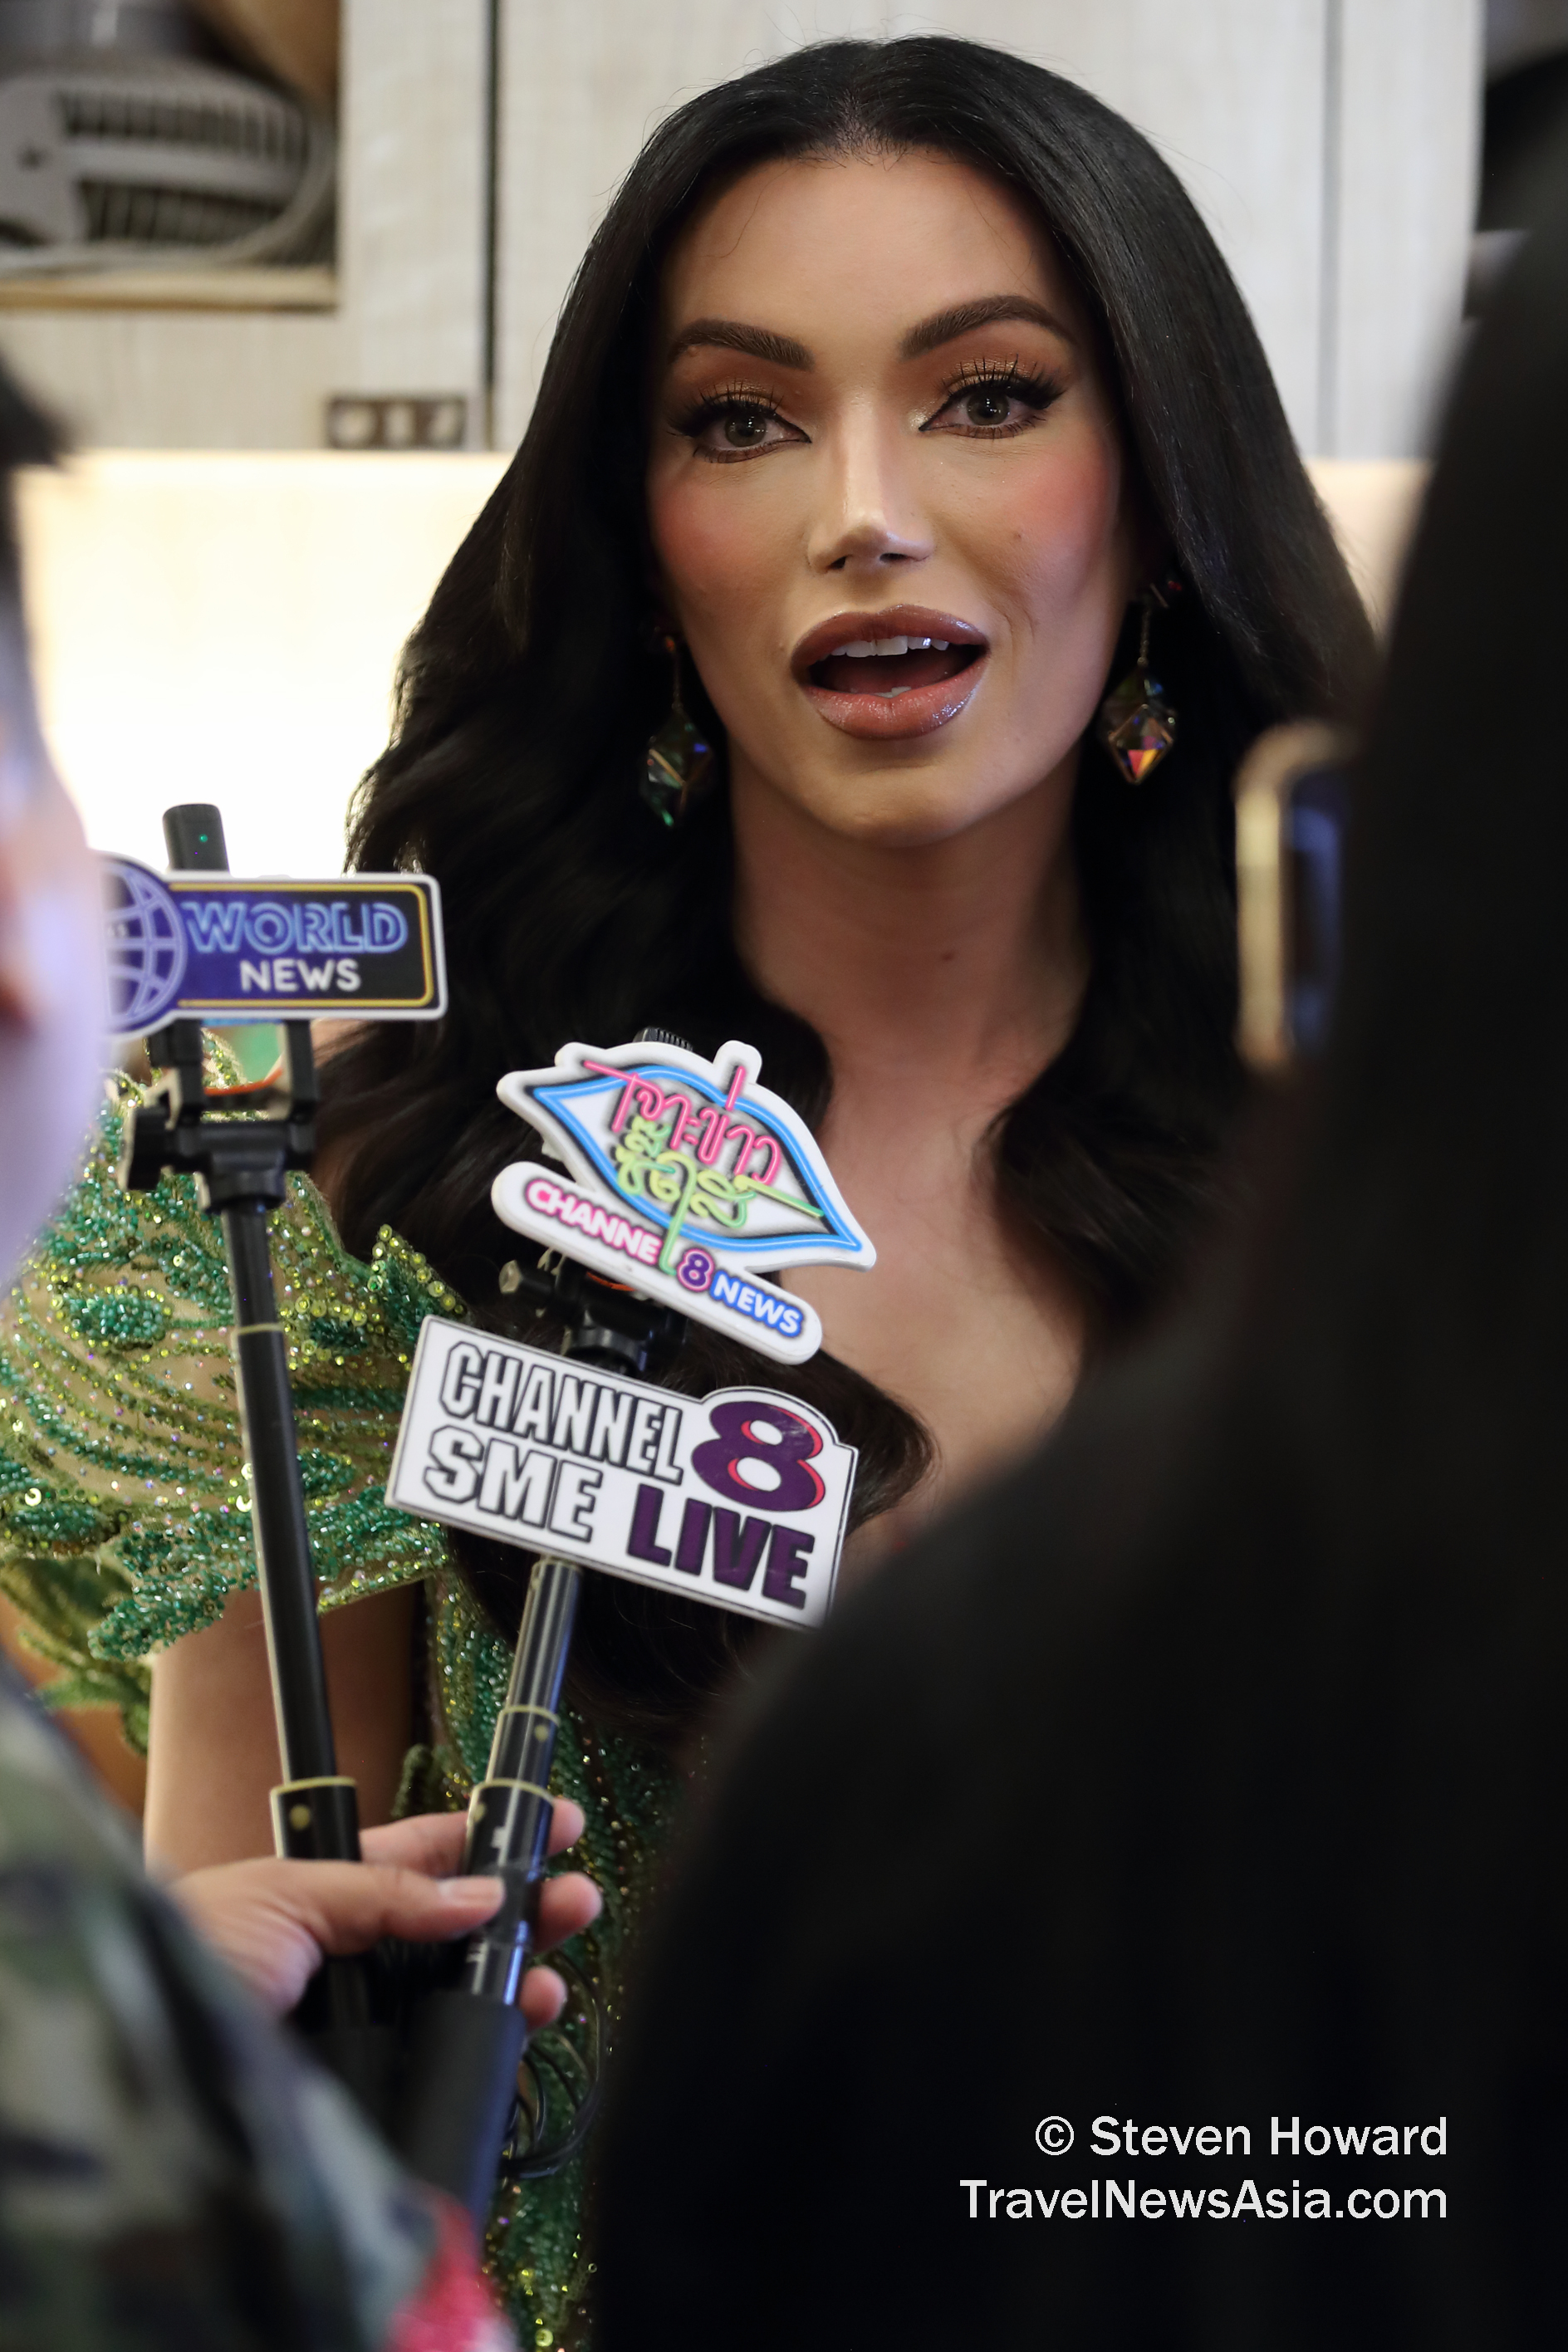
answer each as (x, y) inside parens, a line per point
(863, 241)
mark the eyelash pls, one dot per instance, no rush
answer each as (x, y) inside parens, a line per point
(1036, 389)
(729, 400)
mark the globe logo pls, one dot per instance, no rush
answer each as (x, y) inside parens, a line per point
(144, 945)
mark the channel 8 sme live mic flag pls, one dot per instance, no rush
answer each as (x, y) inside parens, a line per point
(215, 948)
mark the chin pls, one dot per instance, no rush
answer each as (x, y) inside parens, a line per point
(907, 812)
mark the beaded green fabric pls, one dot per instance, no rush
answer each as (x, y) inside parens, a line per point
(125, 1522)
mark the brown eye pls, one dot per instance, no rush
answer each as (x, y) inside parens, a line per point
(993, 407)
(737, 426)
(988, 403)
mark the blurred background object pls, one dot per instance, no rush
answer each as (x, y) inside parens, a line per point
(235, 618)
(1522, 33)
(121, 143)
(297, 40)
(54, 29)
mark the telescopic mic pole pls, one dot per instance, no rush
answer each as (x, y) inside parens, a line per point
(240, 1167)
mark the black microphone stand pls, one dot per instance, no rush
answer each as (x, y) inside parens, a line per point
(240, 1166)
(469, 2038)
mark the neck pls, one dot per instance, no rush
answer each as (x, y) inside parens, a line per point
(954, 968)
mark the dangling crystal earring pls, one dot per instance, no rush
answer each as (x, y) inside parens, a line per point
(678, 758)
(1137, 725)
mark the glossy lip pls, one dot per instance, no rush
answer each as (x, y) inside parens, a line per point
(880, 716)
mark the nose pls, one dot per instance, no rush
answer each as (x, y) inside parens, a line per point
(870, 514)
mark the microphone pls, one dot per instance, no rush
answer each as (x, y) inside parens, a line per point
(677, 1185)
(683, 1177)
(468, 2040)
(240, 1167)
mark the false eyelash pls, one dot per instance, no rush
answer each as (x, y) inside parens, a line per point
(1037, 385)
(723, 403)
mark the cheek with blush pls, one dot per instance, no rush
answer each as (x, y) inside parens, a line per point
(1059, 557)
(722, 565)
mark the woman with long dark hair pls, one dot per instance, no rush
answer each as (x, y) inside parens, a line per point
(903, 437)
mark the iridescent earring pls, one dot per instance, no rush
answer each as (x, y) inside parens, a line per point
(1137, 725)
(679, 757)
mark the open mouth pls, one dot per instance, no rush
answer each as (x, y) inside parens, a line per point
(900, 672)
(892, 666)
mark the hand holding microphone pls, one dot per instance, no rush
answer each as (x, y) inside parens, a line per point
(275, 1921)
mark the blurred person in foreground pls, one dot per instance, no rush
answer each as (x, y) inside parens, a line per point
(1186, 1819)
(173, 2174)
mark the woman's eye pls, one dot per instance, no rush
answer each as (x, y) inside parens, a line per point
(739, 428)
(996, 405)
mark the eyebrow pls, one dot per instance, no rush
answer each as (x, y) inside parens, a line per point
(945, 327)
(948, 325)
(735, 335)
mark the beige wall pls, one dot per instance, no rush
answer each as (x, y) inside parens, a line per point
(224, 628)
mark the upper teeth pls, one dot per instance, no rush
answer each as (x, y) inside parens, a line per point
(865, 646)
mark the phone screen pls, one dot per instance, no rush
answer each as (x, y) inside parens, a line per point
(1315, 815)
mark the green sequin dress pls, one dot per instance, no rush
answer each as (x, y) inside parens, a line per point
(124, 1523)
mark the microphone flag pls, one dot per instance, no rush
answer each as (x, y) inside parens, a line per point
(739, 1498)
(683, 1179)
(213, 947)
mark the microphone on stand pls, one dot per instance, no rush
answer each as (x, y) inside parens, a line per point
(240, 1167)
(469, 2039)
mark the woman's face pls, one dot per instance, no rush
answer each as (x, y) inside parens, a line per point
(887, 500)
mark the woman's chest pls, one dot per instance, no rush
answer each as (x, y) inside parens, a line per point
(960, 1318)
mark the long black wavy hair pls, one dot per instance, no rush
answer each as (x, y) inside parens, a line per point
(528, 692)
